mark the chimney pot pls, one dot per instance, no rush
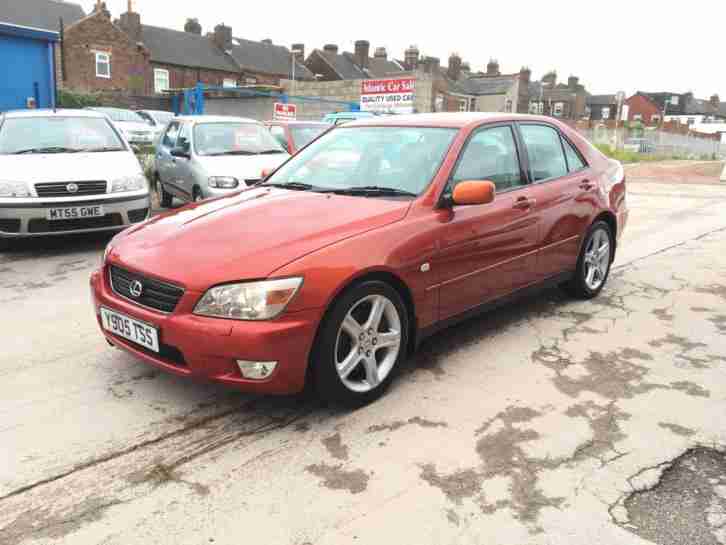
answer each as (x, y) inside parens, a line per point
(454, 71)
(380, 53)
(362, 50)
(715, 101)
(331, 48)
(192, 26)
(222, 37)
(411, 57)
(493, 67)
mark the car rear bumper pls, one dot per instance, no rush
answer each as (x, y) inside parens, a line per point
(207, 349)
(28, 218)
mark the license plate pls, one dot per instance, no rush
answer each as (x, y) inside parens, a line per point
(74, 212)
(135, 331)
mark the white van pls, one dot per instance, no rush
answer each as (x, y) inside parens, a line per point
(67, 171)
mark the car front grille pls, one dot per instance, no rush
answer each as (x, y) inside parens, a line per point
(154, 294)
(135, 216)
(60, 189)
(10, 226)
(39, 225)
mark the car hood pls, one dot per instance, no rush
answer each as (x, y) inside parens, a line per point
(242, 167)
(247, 235)
(68, 167)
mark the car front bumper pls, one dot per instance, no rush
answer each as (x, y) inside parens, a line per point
(27, 217)
(207, 349)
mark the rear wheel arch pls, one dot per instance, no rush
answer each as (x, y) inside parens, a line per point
(612, 222)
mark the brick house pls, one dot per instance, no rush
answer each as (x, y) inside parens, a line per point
(602, 107)
(564, 101)
(643, 108)
(126, 55)
(329, 65)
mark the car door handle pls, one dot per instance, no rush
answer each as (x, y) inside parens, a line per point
(585, 185)
(524, 203)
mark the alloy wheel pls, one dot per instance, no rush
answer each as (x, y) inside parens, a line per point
(597, 259)
(368, 343)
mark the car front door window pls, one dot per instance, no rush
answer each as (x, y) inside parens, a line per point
(170, 136)
(544, 149)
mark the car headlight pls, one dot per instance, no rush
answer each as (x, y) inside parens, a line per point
(129, 183)
(14, 189)
(261, 300)
(223, 182)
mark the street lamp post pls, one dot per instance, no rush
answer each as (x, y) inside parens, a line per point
(293, 53)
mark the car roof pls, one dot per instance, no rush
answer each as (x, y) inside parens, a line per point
(61, 112)
(299, 122)
(215, 119)
(456, 120)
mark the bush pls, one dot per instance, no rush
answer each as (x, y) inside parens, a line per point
(73, 99)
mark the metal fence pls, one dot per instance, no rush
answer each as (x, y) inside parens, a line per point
(657, 142)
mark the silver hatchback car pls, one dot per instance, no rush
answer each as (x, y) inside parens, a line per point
(199, 157)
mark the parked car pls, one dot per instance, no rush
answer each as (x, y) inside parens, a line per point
(157, 119)
(135, 128)
(338, 118)
(209, 156)
(333, 274)
(639, 145)
(294, 135)
(66, 171)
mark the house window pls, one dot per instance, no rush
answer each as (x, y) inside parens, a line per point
(508, 105)
(605, 113)
(655, 119)
(558, 109)
(637, 117)
(161, 80)
(228, 82)
(103, 65)
(463, 104)
(674, 100)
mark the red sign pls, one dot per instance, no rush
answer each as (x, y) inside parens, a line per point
(284, 112)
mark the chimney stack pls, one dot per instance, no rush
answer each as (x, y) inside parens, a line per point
(431, 64)
(550, 79)
(715, 101)
(192, 26)
(572, 82)
(299, 52)
(267, 41)
(222, 37)
(331, 48)
(362, 49)
(525, 75)
(130, 23)
(493, 67)
(465, 67)
(411, 57)
(380, 53)
(454, 71)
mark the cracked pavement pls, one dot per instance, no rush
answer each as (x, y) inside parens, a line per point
(551, 421)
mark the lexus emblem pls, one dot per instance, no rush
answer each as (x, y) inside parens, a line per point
(136, 288)
(72, 188)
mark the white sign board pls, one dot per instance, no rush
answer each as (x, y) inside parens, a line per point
(625, 110)
(388, 95)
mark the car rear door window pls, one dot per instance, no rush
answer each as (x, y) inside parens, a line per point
(544, 148)
(491, 154)
(183, 140)
(172, 132)
(574, 161)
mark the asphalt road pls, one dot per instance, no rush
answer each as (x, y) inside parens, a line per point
(533, 424)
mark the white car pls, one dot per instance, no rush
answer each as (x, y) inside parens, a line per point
(135, 128)
(157, 119)
(205, 156)
(67, 171)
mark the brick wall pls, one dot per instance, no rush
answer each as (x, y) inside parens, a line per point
(640, 105)
(185, 76)
(96, 33)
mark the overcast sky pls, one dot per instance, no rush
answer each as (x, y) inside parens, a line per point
(624, 45)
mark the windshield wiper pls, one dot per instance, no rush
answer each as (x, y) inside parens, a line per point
(51, 149)
(232, 152)
(271, 151)
(298, 186)
(100, 150)
(373, 190)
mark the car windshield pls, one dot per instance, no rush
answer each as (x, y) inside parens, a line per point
(119, 115)
(162, 118)
(302, 136)
(234, 138)
(57, 135)
(402, 159)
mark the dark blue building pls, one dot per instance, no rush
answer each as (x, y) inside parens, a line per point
(27, 67)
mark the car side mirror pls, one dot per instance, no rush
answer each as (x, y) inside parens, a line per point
(266, 172)
(180, 152)
(474, 192)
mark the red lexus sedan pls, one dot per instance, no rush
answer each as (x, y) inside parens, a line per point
(371, 238)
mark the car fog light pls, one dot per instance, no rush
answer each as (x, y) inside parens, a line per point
(256, 370)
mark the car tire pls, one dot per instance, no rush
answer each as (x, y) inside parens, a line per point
(361, 344)
(593, 264)
(164, 197)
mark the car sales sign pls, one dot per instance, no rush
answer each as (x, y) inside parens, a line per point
(388, 95)
(284, 112)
